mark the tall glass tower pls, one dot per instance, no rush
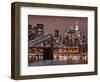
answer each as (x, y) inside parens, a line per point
(77, 31)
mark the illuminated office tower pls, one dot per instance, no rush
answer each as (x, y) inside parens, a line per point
(65, 37)
(71, 35)
(31, 34)
(29, 29)
(78, 35)
(77, 31)
(39, 30)
(57, 39)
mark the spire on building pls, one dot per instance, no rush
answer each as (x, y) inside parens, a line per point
(76, 26)
(78, 33)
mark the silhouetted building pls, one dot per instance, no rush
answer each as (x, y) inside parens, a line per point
(39, 30)
(31, 34)
(71, 35)
(57, 39)
(30, 29)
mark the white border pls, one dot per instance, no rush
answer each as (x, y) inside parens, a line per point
(25, 70)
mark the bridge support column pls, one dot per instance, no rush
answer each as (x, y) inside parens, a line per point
(48, 54)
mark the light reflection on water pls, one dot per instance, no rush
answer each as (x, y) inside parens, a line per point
(63, 60)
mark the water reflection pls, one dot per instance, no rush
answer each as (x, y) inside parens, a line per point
(61, 60)
(60, 57)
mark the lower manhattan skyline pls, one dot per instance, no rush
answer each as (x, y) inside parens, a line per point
(52, 23)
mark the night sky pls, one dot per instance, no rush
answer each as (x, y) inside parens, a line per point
(52, 23)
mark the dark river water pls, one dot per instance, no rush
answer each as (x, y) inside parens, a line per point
(56, 62)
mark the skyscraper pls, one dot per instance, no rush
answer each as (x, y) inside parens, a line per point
(77, 31)
(39, 29)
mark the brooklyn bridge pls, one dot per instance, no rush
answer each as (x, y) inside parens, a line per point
(55, 49)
